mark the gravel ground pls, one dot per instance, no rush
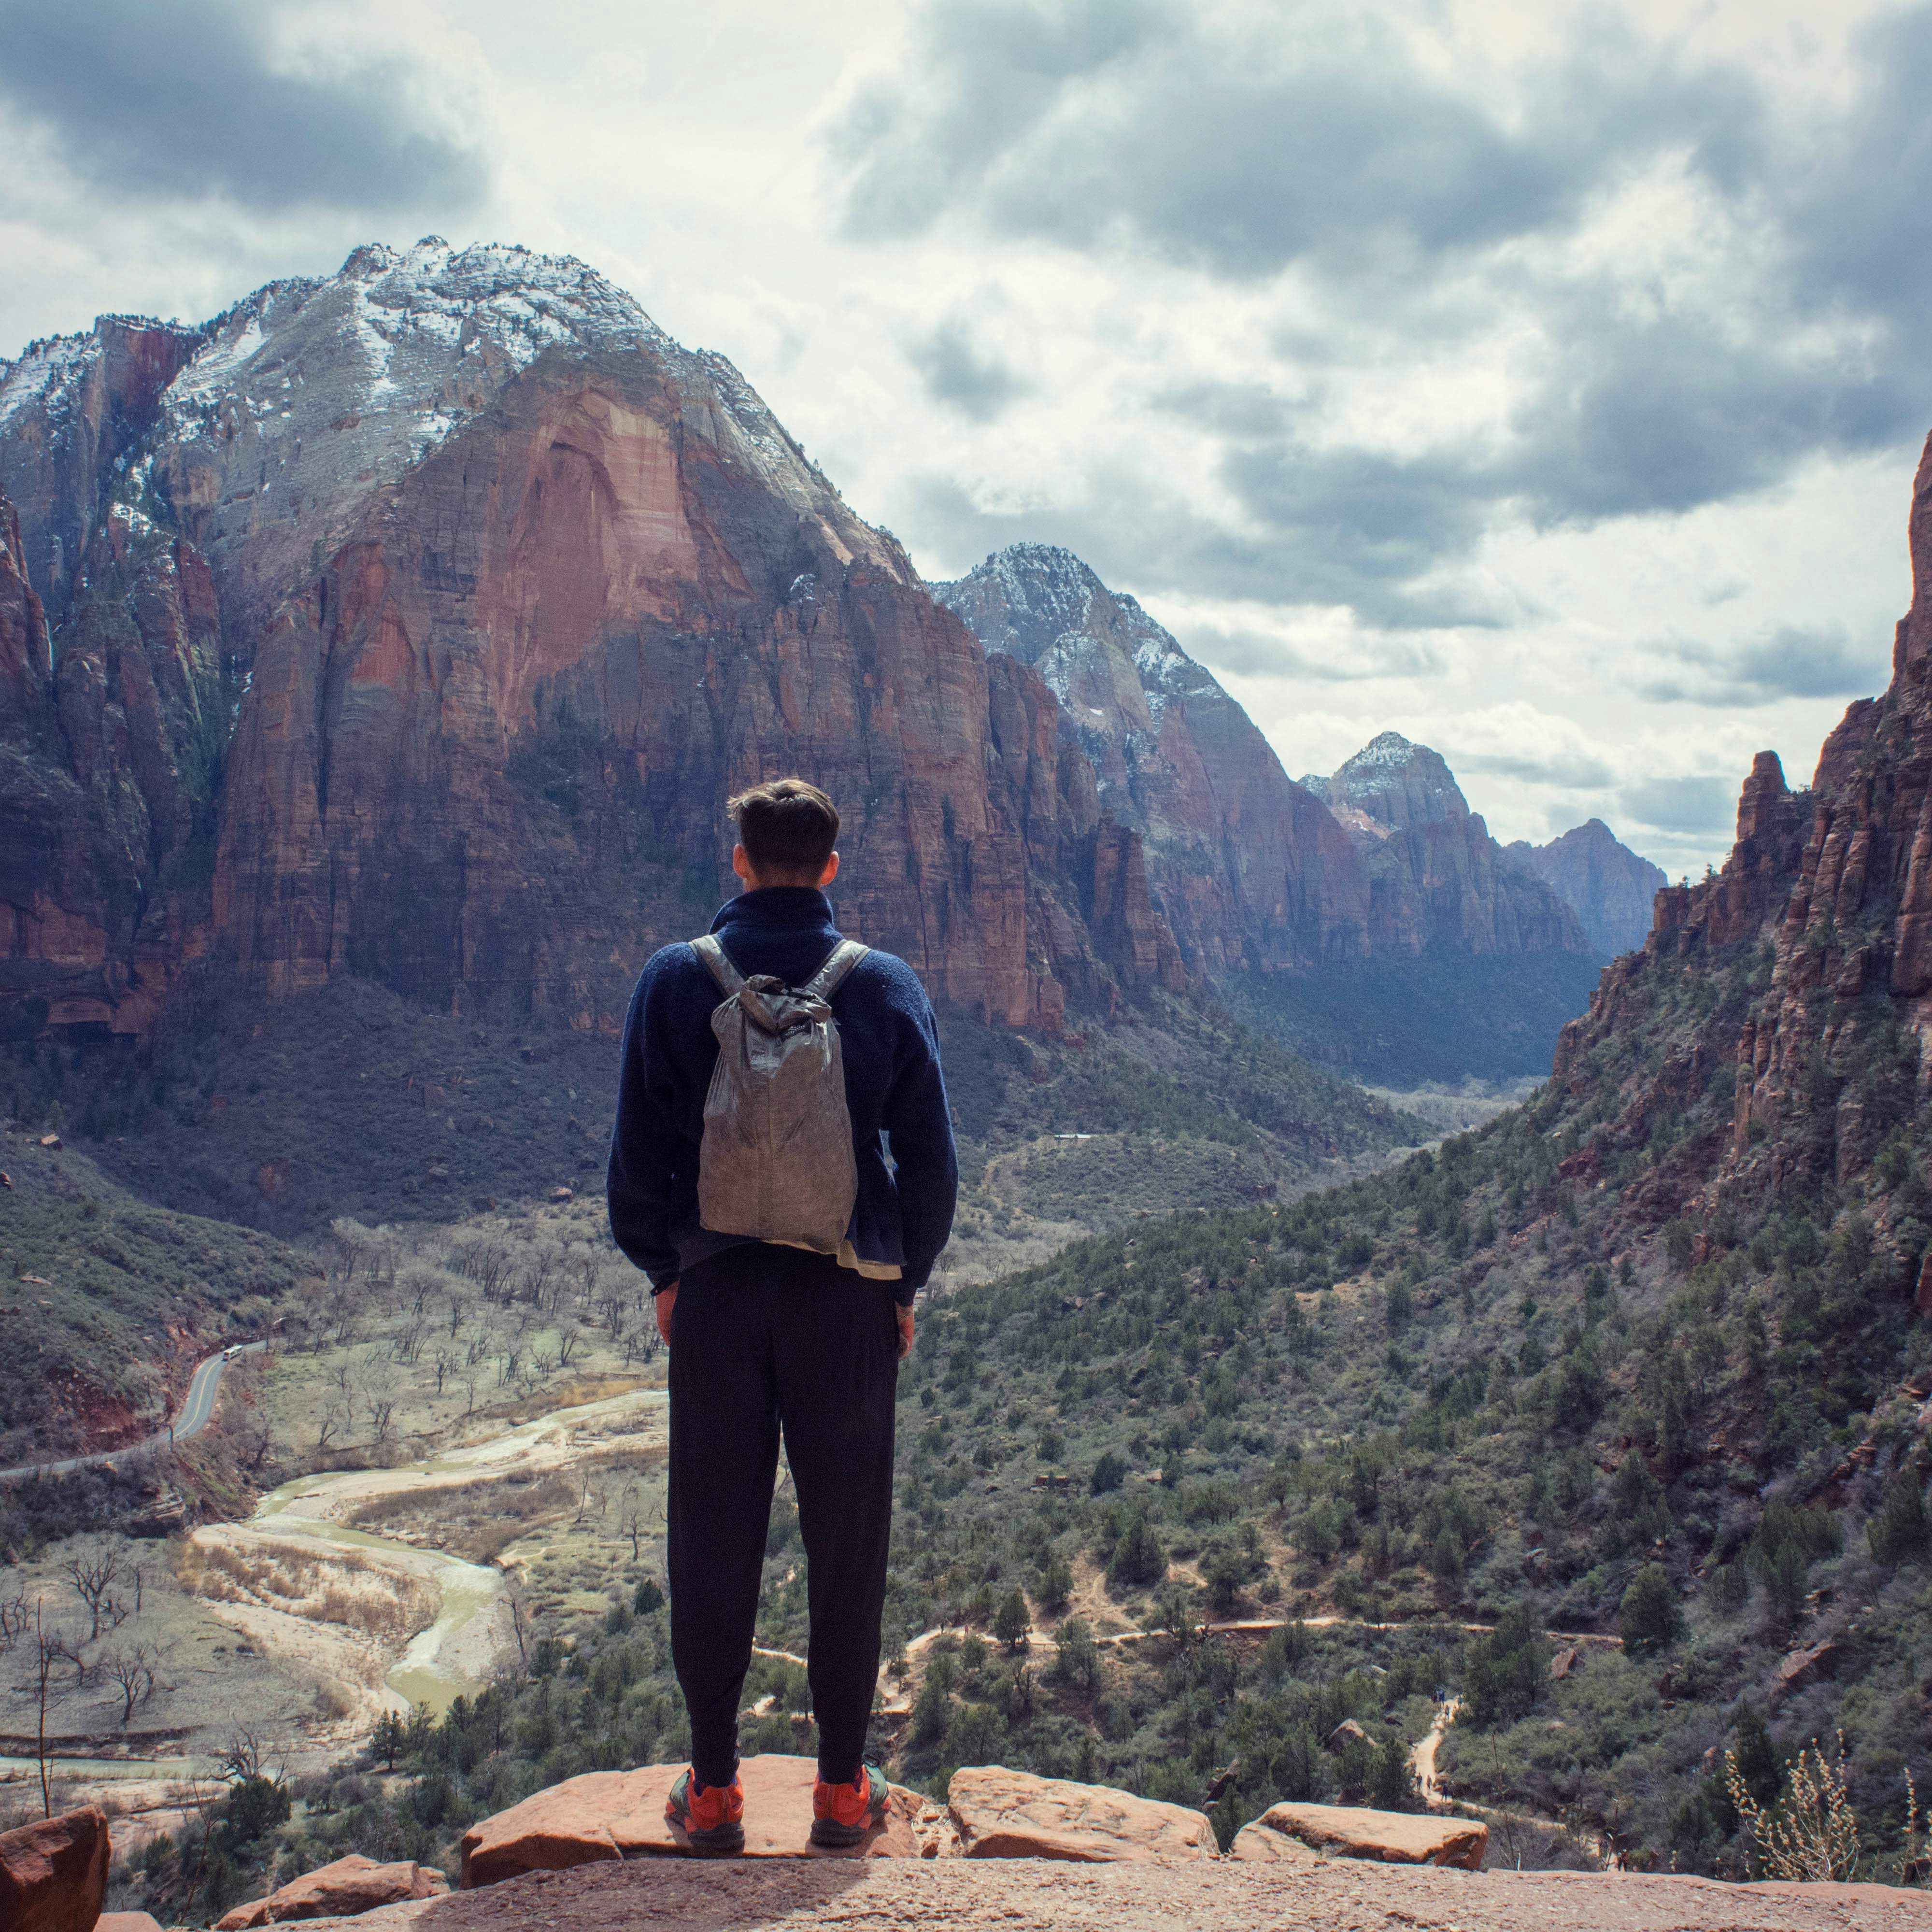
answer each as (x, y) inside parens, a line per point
(1022, 1895)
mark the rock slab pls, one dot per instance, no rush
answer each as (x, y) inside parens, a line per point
(1011, 1814)
(1353, 1831)
(605, 1815)
(53, 1873)
(1217, 1895)
(340, 1890)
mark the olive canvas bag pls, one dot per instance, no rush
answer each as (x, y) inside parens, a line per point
(775, 1163)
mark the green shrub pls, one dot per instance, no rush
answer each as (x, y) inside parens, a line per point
(1650, 1617)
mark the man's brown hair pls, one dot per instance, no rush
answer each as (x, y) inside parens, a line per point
(788, 829)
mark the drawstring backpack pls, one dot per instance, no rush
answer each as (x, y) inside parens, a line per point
(775, 1163)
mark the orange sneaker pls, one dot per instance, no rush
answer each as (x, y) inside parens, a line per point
(842, 1814)
(711, 1816)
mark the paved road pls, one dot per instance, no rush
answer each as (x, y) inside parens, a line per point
(192, 1418)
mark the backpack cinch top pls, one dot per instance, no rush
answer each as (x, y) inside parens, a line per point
(776, 1161)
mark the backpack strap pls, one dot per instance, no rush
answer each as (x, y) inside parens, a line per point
(831, 975)
(717, 962)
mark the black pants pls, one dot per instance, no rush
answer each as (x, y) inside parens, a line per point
(765, 1338)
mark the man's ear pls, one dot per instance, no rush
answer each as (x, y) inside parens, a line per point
(741, 864)
(830, 872)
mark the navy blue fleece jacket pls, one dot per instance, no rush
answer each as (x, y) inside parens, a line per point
(892, 1086)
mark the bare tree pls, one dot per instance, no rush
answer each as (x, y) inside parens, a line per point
(258, 1437)
(472, 1373)
(381, 1391)
(93, 1574)
(537, 1274)
(133, 1671)
(244, 1754)
(568, 1334)
(417, 1283)
(14, 1617)
(519, 1606)
(441, 1363)
(630, 1518)
(408, 1344)
(335, 1421)
(47, 1650)
(610, 1308)
(458, 1310)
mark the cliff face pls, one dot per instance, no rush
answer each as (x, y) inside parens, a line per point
(1435, 876)
(508, 592)
(109, 769)
(1826, 901)
(73, 410)
(1610, 888)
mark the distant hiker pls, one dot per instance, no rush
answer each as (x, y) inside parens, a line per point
(767, 1068)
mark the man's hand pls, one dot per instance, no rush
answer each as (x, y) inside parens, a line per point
(906, 1326)
(662, 1302)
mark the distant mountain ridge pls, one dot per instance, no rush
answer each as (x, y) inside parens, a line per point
(1180, 762)
(1435, 872)
(1612, 889)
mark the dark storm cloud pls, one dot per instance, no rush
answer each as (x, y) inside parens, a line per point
(957, 373)
(1404, 196)
(1792, 662)
(185, 101)
(1077, 122)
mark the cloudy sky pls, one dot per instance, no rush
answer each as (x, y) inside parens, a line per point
(1539, 379)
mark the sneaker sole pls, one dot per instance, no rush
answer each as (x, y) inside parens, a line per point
(833, 1836)
(722, 1841)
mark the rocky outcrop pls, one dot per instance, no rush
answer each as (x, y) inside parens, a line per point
(1835, 883)
(1436, 878)
(1012, 1814)
(619, 1814)
(1353, 1831)
(1027, 1895)
(1611, 889)
(53, 1873)
(345, 1888)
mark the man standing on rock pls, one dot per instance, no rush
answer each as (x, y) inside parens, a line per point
(767, 1068)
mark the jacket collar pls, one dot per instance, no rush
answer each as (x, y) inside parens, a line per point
(776, 909)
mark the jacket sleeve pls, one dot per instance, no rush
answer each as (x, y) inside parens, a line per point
(643, 1185)
(919, 1124)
